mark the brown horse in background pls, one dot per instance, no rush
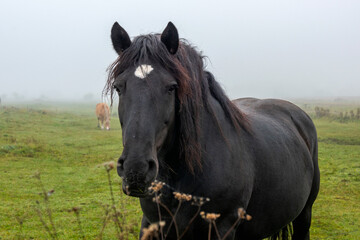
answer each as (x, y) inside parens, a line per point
(103, 115)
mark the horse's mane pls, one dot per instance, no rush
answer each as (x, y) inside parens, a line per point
(194, 87)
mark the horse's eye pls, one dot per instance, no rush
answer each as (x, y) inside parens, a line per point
(172, 88)
(118, 89)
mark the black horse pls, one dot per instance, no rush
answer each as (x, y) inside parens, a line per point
(180, 128)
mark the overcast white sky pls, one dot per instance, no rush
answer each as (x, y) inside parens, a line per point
(282, 49)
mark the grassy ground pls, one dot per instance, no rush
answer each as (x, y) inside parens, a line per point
(337, 210)
(63, 143)
(68, 150)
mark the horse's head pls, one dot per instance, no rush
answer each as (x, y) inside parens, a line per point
(146, 91)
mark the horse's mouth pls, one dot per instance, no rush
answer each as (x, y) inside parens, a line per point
(140, 192)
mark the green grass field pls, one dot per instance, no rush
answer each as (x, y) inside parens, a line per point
(63, 144)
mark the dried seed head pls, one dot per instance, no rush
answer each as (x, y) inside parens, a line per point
(109, 165)
(75, 209)
(212, 216)
(199, 201)
(182, 196)
(209, 216)
(156, 186)
(152, 231)
(49, 193)
(154, 227)
(242, 214)
(127, 190)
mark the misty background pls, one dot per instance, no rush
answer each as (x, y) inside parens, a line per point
(59, 50)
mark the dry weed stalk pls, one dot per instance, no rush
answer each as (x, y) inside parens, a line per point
(46, 194)
(118, 226)
(20, 220)
(123, 230)
(155, 188)
(196, 201)
(210, 218)
(241, 216)
(76, 210)
(172, 218)
(106, 219)
(153, 230)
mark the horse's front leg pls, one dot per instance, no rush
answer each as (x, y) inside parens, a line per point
(144, 224)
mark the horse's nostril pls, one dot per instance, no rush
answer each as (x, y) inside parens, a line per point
(121, 163)
(152, 165)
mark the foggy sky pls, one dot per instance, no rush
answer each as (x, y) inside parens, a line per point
(279, 49)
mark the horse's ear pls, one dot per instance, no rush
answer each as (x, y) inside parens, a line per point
(170, 38)
(120, 38)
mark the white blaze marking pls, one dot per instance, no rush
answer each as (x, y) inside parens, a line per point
(143, 70)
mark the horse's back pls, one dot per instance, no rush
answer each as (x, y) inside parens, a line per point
(284, 143)
(281, 112)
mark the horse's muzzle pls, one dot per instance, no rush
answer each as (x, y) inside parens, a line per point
(137, 175)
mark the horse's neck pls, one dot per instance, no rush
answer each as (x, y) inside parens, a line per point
(212, 121)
